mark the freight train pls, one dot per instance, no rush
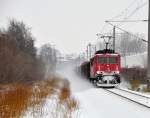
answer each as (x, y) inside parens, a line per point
(103, 69)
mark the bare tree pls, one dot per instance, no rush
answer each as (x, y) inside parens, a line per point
(21, 34)
(18, 55)
(48, 56)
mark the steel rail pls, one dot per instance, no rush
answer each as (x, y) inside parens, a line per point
(118, 94)
(135, 93)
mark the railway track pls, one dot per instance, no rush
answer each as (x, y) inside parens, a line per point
(132, 96)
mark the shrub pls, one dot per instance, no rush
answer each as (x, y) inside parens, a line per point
(134, 73)
(135, 76)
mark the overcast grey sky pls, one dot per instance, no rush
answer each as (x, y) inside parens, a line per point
(69, 24)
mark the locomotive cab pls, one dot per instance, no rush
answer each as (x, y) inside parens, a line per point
(105, 68)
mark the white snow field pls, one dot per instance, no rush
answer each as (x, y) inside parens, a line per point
(134, 60)
(98, 103)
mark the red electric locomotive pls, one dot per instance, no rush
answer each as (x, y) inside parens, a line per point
(105, 68)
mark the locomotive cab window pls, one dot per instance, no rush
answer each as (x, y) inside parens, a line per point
(102, 60)
(112, 60)
(107, 60)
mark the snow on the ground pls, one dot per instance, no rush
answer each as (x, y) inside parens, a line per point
(77, 84)
(98, 103)
(124, 84)
(45, 110)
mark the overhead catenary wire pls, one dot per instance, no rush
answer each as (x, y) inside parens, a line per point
(126, 31)
(127, 21)
(128, 9)
(136, 9)
(126, 15)
(118, 15)
(132, 3)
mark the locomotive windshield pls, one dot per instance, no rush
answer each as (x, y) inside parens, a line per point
(107, 60)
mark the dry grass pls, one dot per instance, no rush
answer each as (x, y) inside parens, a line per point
(67, 104)
(14, 100)
(135, 84)
(17, 99)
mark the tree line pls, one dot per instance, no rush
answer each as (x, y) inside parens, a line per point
(19, 60)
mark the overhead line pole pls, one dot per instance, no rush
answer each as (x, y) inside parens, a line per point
(89, 50)
(148, 56)
(114, 30)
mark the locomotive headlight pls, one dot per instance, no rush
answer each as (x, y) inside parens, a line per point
(117, 72)
(98, 72)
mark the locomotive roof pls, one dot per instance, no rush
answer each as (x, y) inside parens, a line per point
(115, 54)
(106, 52)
